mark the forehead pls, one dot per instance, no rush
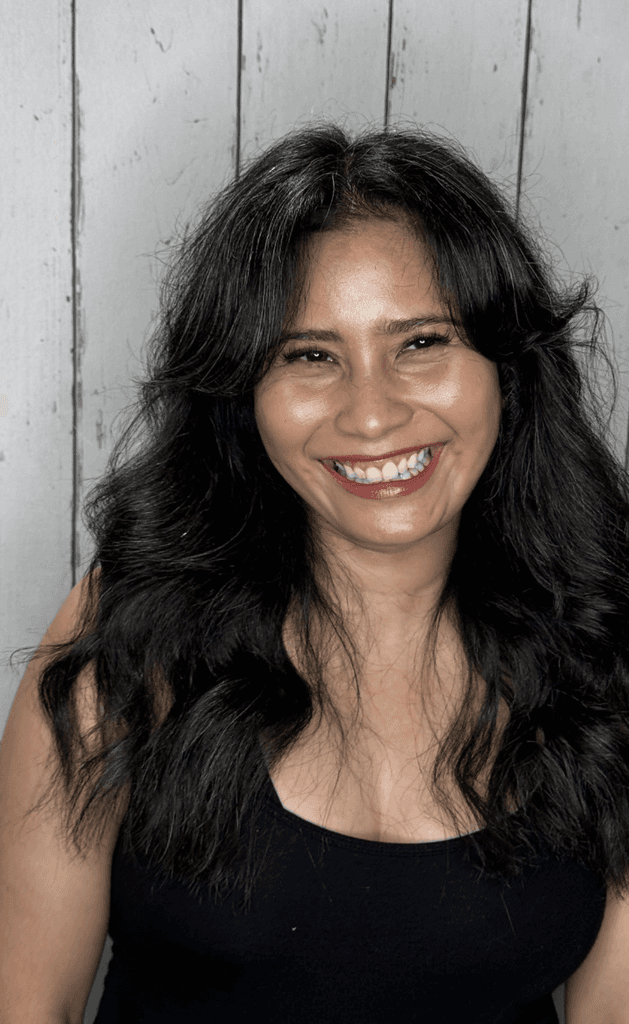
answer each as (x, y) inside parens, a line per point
(393, 235)
(368, 258)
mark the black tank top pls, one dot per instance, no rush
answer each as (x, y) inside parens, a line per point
(351, 931)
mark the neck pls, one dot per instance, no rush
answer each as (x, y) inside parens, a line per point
(384, 590)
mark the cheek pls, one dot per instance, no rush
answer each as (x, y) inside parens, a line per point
(483, 397)
(283, 417)
(263, 411)
(472, 404)
(492, 415)
(301, 409)
(470, 399)
(488, 410)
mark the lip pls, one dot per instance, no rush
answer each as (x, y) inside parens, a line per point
(387, 455)
(388, 489)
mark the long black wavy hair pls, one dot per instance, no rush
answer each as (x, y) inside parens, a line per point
(201, 547)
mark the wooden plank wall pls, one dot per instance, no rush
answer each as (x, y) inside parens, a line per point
(121, 118)
(36, 324)
(575, 166)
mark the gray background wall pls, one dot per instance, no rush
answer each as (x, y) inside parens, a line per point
(119, 119)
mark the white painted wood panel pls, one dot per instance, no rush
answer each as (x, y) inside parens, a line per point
(35, 325)
(157, 136)
(157, 102)
(458, 68)
(311, 59)
(576, 171)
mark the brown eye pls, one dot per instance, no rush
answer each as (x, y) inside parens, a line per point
(290, 357)
(425, 341)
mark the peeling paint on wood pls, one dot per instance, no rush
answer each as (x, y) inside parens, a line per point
(576, 175)
(156, 101)
(311, 61)
(458, 69)
(171, 79)
(35, 325)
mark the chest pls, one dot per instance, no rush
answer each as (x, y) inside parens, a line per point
(382, 789)
(382, 792)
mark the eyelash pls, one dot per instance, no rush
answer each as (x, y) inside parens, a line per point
(291, 357)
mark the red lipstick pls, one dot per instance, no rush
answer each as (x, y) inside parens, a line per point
(389, 488)
(387, 455)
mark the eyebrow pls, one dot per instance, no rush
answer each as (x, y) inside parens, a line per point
(390, 327)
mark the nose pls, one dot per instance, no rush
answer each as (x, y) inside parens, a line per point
(373, 403)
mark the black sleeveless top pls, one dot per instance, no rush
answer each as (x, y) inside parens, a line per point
(351, 931)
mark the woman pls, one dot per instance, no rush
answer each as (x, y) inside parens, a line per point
(338, 717)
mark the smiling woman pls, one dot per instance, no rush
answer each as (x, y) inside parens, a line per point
(370, 284)
(350, 648)
(378, 389)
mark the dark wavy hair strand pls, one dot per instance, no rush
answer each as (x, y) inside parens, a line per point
(202, 547)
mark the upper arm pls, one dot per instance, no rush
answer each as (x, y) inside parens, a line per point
(55, 904)
(598, 991)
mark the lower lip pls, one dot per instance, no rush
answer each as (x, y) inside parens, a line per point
(388, 488)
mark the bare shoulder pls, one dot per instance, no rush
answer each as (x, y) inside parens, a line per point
(55, 903)
(598, 991)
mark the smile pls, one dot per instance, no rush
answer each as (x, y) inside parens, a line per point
(403, 470)
(392, 480)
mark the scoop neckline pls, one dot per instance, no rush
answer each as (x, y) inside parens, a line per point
(341, 839)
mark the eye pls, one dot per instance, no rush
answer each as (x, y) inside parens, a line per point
(291, 357)
(423, 341)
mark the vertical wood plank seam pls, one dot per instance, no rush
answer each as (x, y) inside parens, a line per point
(388, 79)
(74, 200)
(523, 105)
(239, 89)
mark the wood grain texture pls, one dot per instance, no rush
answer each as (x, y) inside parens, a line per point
(157, 99)
(576, 173)
(457, 69)
(35, 326)
(157, 136)
(311, 60)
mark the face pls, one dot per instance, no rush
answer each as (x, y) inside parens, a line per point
(382, 370)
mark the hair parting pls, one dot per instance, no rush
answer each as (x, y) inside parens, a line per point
(202, 549)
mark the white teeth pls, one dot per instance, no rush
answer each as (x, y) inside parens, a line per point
(404, 470)
(389, 470)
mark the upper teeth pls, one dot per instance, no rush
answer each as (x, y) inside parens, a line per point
(404, 470)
